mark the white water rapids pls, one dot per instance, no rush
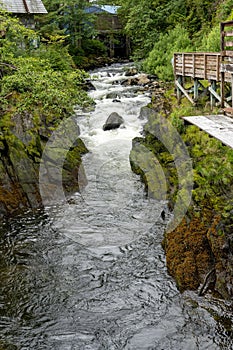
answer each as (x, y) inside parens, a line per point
(114, 209)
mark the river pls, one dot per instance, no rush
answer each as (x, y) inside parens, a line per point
(90, 274)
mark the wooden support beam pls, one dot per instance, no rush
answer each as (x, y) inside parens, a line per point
(178, 91)
(180, 87)
(219, 98)
(195, 87)
(212, 88)
(222, 89)
(214, 93)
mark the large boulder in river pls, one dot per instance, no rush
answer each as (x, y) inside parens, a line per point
(114, 121)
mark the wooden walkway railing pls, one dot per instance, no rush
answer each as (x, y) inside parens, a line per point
(201, 65)
(214, 67)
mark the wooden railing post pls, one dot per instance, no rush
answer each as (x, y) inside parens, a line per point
(212, 97)
(178, 91)
(195, 92)
(222, 89)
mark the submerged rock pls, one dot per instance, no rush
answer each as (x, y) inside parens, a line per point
(113, 95)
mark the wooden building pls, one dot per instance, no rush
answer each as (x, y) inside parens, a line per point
(110, 29)
(24, 9)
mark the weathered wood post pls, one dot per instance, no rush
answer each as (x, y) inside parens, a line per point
(212, 96)
(195, 92)
(178, 91)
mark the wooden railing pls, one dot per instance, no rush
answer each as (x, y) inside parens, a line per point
(226, 38)
(216, 67)
(201, 65)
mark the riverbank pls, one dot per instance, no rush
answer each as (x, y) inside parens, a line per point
(36, 99)
(21, 148)
(199, 250)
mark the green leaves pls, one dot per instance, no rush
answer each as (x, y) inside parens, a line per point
(68, 17)
(213, 168)
(15, 38)
(37, 85)
(41, 82)
(159, 60)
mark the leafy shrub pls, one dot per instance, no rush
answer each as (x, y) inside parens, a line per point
(159, 61)
(212, 168)
(57, 55)
(94, 47)
(15, 38)
(36, 86)
(211, 42)
(41, 81)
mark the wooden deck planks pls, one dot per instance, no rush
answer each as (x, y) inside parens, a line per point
(218, 126)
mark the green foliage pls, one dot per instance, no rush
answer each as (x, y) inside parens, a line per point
(69, 24)
(150, 23)
(211, 41)
(212, 168)
(224, 10)
(68, 18)
(144, 20)
(199, 13)
(212, 162)
(37, 86)
(91, 48)
(16, 40)
(57, 55)
(94, 47)
(39, 81)
(159, 60)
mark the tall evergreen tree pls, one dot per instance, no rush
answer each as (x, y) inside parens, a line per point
(70, 18)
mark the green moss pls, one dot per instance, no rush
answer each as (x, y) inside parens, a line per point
(145, 164)
(202, 241)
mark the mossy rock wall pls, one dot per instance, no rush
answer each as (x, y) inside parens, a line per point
(22, 141)
(199, 251)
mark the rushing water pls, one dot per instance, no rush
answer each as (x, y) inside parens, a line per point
(91, 274)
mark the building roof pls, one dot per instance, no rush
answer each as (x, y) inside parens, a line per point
(110, 9)
(23, 6)
(102, 9)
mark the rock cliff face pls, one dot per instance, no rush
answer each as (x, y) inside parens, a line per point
(199, 255)
(199, 251)
(22, 140)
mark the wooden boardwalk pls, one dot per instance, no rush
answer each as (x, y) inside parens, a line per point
(215, 68)
(201, 72)
(218, 126)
